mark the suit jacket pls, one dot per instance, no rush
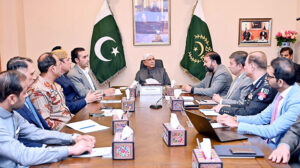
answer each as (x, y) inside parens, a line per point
(27, 114)
(260, 124)
(259, 97)
(13, 153)
(158, 73)
(220, 83)
(237, 94)
(73, 100)
(81, 82)
(292, 138)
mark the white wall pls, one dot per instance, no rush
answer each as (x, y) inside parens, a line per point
(70, 22)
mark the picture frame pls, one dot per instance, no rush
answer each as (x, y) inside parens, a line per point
(255, 32)
(151, 22)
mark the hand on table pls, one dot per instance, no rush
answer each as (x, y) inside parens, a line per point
(186, 88)
(228, 120)
(281, 153)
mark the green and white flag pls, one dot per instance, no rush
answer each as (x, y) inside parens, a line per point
(106, 55)
(198, 43)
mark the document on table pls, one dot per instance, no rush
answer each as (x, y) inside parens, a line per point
(218, 125)
(209, 112)
(110, 101)
(187, 98)
(87, 126)
(206, 102)
(118, 92)
(96, 152)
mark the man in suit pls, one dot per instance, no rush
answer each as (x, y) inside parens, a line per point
(13, 89)
(273, 122)
(47, 95)
(151, 71)
(217, 79)
(73, 100)
(260, 95)
(29, 112)
(287, 52)
(240, 87)
(82, 77)
(289, 147)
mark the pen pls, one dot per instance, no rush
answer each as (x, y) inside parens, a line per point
(87, 127)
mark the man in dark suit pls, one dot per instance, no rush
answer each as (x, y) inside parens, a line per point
(73, 100)
(217, 79)
(260, 95)
(287, 52)
(29, 112)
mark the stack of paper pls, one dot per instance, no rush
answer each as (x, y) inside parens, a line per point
(206, 102)
(188, 98)
(104, 151)
(209, 112)
(87, 126)
(110, 101)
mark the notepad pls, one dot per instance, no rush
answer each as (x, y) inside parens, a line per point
(209, 112)
(87, 126)
(187, 98)
(224, 151)
(206, 102)
(96, 152)
(110, 101)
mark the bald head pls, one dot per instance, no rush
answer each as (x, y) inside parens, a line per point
(259, 59)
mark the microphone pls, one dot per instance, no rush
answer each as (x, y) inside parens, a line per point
(156, 105)
(298, 18)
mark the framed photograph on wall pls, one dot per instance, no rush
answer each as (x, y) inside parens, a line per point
(151, 22)
(255, 31)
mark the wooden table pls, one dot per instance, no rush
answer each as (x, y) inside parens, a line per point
(150, 149)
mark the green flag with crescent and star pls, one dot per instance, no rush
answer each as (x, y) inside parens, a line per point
(106, 55)
(198, 43)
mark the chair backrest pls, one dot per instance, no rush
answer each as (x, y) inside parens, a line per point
(158, 63)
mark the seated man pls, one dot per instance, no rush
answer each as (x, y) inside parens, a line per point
(217, 79)
(13, 153)
(240, 87)
(28, 112)
(47, 95)
(277, 118)
(260, 95)
(287, 52)
(81, 76)
(289, 146)
(157, 73)
(73, 100)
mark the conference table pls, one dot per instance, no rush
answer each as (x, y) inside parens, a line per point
(150, 149)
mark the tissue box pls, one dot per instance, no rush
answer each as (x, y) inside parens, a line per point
(128, 105)
(199, 160)
(169, 91)
(177, 104)
(174, 137)
(133, 92)
(118, 124)
(122, 149)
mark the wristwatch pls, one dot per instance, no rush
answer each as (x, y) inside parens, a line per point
(73, 138)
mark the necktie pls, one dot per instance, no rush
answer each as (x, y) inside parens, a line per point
(33, 111)
(274, 114)
(211, 79)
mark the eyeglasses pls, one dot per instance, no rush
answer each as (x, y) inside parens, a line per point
(270, 77)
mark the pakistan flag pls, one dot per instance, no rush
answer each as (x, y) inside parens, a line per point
(198, 43)
(106, 55)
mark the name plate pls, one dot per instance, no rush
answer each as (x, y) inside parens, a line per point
(151, 90)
